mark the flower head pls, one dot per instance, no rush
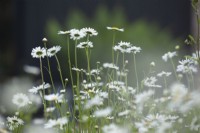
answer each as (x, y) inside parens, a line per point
(14, 122)
(54, 97)
(150, 82)
(89, 31)
(169, 55)
(59, 122)
(21, 100)
(110, 65)
(40, 87)
(115, 29)
(38, 52)
(76, 34)
(63, 32)
(52, 51)
(87, 44)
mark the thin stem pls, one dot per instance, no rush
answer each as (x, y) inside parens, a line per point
(49, 69)
(174, 69)
(60, 71)
(136, 75)
(43, 91)
(113, 43)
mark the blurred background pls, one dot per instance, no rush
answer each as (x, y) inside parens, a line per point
(154, 25)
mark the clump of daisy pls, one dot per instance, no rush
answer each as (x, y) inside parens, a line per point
(76, 34)
(187, 66)
(113, 128)
(21, 100)
(38, 52)
(87, 44)
(115, 29)
(89, 31)
(14, 122)
(52, 51)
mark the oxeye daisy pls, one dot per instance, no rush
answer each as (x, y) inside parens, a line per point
(54, 97)
(38, 52)
(89, 31)
(76, 34)
(115, 29)
(40, 87)
(14, 122)
(21, 100)
(169, 55)
(63, 32)
(110, 65)
(54, 123)
(52, 51)
(87, 44)
(122, 47)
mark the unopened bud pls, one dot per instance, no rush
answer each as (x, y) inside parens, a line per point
(44, 40)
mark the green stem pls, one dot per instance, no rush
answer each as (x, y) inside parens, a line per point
(174, 69)
(49, 69)
(60, 71)
(113, 43)
(136, 75)
(43, 91)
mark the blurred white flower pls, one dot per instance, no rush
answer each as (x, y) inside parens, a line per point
(187, 66)
(63, 32)
(96, 100)
(54, 123)
(113, 128)
(38, 52)
(14, 122)
(31, 70)
(150, 82)
(110, 65)
(115, 29)
(124, 113)
(103, 112)
(54, 97)
(163, 73)
(87, 44)
(36, 89)
(195, 124)
(21, 100)
(169, 55)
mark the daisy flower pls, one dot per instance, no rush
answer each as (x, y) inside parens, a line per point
(186, 66)
(54, 97)
(163, 73)
(40, 87)
(31, 70)
(122, 47)
(169, 55)
(110, 65)
(38, 52)
(52, 51)
(89, 31)
(150, 82)
(103, 112)
(63, 32)
(21, 100)
(87, 44)
(115, 29)
(55, 123)
(14, 122)
(76, 34)
(113, 128)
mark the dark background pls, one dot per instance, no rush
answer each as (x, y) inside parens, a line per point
(23, 22)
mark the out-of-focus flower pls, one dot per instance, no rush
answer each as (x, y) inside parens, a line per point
(14, 122)
(110, 65)
(31, 70)
(115, 29)
(103, 112)
(169, 55)
(150, 82)
(21, 100)
(54, 97)
(40, 87)
(59, 122)
(113, 128)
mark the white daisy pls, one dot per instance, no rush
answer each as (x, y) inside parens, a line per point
(38, 52)
(150, 82)
(40, 87)
(50, 109)
(103, 112)
(89, 31)
(124, 113)
(54, 97)
(115, 29)
(76, 34)
(14, 122)
(110, 65)
(163, 73)
(96, 100)
(54, 123)
(63, 32)
(52, 51)
(195, 124)
(169, 55)
(87, 44)
(21, 100)
(31, 70)
(187, 66)
(113, 128)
